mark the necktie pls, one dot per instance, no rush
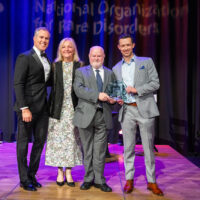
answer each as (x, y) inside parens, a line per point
(99, 81)
(43, 54)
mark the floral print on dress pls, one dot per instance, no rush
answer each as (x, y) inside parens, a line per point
(63, 147)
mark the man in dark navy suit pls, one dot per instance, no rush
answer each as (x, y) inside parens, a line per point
(32, 72)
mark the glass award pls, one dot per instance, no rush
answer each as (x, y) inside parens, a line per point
(117, 90)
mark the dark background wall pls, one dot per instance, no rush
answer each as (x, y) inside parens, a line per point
(166, 30)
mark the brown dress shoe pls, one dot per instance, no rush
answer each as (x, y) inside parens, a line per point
(128, 188)
(155, 189)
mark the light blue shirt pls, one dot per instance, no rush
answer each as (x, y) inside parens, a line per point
(128, 73)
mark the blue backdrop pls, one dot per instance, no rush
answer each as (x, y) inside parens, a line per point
(167, 31)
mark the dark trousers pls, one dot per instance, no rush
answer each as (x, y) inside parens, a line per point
(38, 126)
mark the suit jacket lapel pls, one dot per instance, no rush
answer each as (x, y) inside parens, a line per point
(105, 81)
(35, 56)
(136, 70)
(59, 72)
(76, 65)
(119, 75)
(92, 77)
(49, 61)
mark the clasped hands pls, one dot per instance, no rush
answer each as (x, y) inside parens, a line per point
(104, 97)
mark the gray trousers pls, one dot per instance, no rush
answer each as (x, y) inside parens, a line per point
(94, 142)
(132, 117)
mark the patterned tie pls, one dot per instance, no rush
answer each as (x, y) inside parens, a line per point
(99, 81)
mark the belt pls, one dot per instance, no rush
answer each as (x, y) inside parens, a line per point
(100, 109)
(131, 104)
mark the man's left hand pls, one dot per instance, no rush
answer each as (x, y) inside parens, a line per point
(130, 89)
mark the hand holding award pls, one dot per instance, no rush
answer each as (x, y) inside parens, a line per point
(117, 91)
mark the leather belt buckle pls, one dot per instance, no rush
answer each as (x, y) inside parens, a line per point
(132, 104)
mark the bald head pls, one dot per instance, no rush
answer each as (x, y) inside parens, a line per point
(96, 56)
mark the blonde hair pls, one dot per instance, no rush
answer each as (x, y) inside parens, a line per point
(59, 56)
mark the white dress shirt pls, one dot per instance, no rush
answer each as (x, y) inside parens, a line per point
(45, 63)
(101, 72)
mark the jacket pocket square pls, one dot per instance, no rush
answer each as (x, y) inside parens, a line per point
(142, 67)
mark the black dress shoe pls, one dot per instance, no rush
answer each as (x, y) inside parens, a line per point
(86, 185)
(104, 187)
(28, 186)
(71, 184)
(35, 183)
(107, 153)
(60, 183)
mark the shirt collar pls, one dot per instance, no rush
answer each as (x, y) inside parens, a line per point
(132, 60)
(100, 69)
(38, 52)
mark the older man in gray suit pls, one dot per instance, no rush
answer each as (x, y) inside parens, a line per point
(93, 116)
(141, 79)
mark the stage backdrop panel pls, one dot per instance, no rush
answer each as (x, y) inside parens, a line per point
(167, 31)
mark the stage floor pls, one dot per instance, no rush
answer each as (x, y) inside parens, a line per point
(177, 177)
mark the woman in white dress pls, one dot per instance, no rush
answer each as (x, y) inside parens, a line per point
(63, 150)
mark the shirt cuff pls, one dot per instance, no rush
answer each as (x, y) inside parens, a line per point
(23, 108)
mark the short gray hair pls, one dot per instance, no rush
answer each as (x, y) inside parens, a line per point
(96, 47)
(41, 28)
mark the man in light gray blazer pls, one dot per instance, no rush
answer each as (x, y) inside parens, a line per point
(141, 80)
(93, 116)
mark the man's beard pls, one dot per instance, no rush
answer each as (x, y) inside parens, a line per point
(96, 65)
